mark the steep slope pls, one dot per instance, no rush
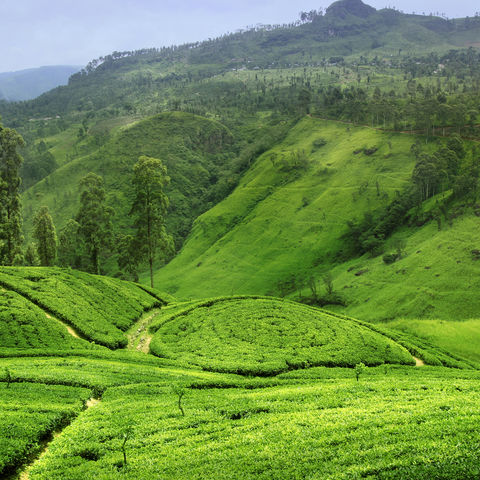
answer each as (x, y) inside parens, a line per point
(286, 216)
(283, 226)
(437, 278)
(195, 150)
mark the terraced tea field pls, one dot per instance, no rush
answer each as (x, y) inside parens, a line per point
(237, 387)
(261, 336)
(85, 302)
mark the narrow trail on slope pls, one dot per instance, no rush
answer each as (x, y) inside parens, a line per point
(418, 362)
(48, 313)
(138, 337)
(24, 473)
(70, 330)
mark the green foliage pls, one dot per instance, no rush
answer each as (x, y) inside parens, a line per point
(24, 325)
(390, 258)
(11, 238)
(46, 237)
(94, 219)
(104, 308)
(330, 417)
(8, 377)
(261, 336)
(292, 238)
(359, 369)
(30, 413)
(150, 208)
(31, 256)
(459, 337)
(70, 245)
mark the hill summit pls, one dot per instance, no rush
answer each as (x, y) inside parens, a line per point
(342, 8)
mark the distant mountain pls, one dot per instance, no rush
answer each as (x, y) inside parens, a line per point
(30, 83)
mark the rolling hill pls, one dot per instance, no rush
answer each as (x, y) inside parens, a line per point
(196, 151)
(45, 308)
(70, 404)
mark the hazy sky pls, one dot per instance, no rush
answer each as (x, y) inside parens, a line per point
(73, 32)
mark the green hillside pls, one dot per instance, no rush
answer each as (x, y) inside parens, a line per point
(286, 216)
(437, 278)
(319, 317)
(84, 302)
(461, 337)
(101, 399)
(262, 336)
(285, 222)
(195, 150)
(24, 325)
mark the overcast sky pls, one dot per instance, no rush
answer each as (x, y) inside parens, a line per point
(34, 33)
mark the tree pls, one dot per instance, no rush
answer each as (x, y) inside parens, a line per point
(31, 255)
(127, 256)
(70, 247)
(11, 238)
(46, 237)
(359, 369)
(150, 208)
(94, 219)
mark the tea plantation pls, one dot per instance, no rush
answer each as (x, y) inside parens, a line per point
(228, 387)
(261, 336)
(96, 314)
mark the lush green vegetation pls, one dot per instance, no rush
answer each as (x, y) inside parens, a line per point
(95, 313)
(334, 162)
(166, 415)
(461, 337)
(261, 336)
(420, 426)
(29, 414)
(294, 212)
(24, 325)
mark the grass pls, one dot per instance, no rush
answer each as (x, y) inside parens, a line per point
(436, 279)
(282, 226)
(461, 337)
(278, 224)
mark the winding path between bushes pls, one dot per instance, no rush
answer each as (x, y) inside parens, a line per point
(418, 362)
(24, 473)
(138, 337)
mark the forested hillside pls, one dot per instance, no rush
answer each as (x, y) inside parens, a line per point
(305, 199)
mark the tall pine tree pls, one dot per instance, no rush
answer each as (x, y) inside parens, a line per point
(94, 219)
(46, 237)
(11, 238)
(150, 209)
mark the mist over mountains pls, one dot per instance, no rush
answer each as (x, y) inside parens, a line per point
(30, 83)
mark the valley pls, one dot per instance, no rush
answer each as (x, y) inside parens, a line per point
(252, 257)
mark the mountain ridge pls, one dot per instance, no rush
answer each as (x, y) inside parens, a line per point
(29, 83)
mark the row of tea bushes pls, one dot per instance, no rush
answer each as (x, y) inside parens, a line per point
(266, 336)
(99, 308)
